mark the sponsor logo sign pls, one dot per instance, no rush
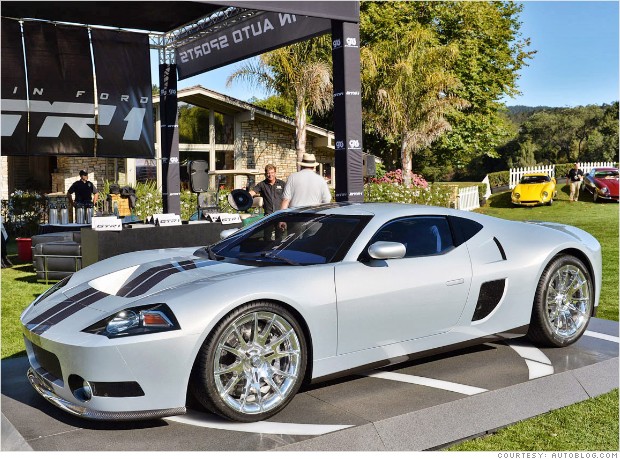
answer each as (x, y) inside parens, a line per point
(106, 224)
(250, 37)
(166, 219)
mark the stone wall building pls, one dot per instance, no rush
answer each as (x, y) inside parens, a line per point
(245, 137)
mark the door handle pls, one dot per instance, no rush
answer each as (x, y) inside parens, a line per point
(455, 282)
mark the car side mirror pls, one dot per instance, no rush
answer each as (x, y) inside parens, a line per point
(383, 250)
(229, 232)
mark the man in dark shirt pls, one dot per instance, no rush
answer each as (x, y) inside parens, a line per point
(573, 179)
(270, 189)
(85, 191)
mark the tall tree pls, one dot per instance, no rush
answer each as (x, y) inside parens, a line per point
(491, 53)
(409, 89)
(300, 72)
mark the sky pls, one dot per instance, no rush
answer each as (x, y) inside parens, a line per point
(576, 62)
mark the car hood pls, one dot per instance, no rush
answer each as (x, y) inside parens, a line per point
(532, 189)
(108, 286)
(610, 183)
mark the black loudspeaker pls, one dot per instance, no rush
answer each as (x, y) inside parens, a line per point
(240, 200)
(198, 172)
(369, 165)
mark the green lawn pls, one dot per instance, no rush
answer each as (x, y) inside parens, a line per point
(588, 426)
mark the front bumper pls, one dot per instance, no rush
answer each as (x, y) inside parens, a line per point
(528, 203)
(47, 392)
(133, 378)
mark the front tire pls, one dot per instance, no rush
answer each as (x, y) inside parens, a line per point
(252, 364)
(595, 196)
(563, 303)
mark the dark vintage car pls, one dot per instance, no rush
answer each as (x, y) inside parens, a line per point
(602, 182)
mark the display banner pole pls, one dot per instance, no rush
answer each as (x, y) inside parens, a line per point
(347, 111)
(171, 184)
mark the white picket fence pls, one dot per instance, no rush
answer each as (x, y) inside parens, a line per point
(468, 198)
(516, 174)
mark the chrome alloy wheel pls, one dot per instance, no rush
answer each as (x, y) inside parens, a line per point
(257, 362)
(568, 301)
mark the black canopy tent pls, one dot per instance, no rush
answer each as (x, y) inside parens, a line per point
(193, 26)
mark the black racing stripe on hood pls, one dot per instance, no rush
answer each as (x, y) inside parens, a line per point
(68, 311)
(160, 276)
(60, 306)
(139, 279)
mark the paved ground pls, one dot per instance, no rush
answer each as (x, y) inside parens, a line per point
(409, 407)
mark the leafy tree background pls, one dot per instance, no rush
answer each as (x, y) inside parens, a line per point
(484, 136)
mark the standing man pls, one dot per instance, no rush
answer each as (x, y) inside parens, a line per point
(306, 187)
(85, 191)
(270, 189)
(573, 179)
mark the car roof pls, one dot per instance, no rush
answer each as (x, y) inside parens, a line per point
(603, 169)
(373, 208)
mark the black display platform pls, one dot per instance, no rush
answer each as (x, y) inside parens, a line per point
(99, 245)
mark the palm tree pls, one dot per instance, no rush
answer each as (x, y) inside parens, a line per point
(300, 72)
(408, 86)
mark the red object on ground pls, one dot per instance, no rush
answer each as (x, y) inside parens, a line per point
(24, 251)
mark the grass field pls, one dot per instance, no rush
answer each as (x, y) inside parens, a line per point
(588, 426)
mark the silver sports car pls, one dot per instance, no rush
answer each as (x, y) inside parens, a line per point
(300, 296)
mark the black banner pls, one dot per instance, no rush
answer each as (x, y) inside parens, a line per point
(348, 10)
(347, 112)
(168, 115)
(255, 35)
(14, 106)
(123, 69)
(60, 81)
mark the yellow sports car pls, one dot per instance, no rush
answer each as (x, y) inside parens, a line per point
(533, 189)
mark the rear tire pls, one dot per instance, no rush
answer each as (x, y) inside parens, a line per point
(252, 364)
(563, 303)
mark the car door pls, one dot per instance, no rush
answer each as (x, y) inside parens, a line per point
(381, 302)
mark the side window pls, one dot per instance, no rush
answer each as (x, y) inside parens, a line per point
(422, 236)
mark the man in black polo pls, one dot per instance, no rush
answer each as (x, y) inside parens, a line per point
(573, 179)
(85, 191)
(270, 189)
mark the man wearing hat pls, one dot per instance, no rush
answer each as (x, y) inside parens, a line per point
(85, 191)
(573, 179)
(306, 187)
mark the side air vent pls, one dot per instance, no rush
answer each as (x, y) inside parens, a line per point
(501, 248)
(490, 294)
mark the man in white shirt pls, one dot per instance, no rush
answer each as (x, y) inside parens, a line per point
(306, 187)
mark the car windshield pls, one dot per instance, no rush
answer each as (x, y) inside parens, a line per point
(290, 238)
(606, 174)
(534, 179)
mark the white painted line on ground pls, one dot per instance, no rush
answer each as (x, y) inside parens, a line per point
(212, 421)
(611, 338)
(429, 382)
(538, 364)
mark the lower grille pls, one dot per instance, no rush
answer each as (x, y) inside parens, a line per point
(47, 361)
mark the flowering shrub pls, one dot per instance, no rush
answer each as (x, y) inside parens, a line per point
(431, 195)
(396, 177)
(25, 212)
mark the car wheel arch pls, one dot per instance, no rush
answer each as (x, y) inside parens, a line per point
(226, 311)
(580, 255)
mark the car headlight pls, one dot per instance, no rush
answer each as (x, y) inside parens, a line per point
(545, 194)
(140, 320)
(517, 195)
(604, 190)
